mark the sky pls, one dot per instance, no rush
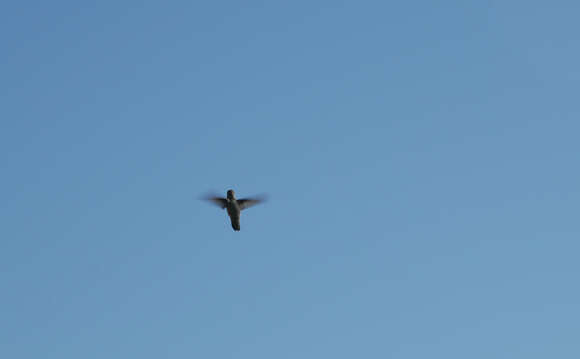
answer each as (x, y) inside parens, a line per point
(421, 161)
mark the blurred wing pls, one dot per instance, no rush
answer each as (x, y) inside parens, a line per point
(218, 201)
(249, 202)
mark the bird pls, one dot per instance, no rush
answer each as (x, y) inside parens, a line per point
(234, 206)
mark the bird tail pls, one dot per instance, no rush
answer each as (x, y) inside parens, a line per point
(236, 224)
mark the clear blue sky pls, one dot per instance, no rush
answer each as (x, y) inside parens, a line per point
(422, 160)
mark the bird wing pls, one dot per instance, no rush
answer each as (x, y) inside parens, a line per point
(218, 201)
(249, 202)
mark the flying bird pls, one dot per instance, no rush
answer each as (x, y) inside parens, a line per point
(234, 206)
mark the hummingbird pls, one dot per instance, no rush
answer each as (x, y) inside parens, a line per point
(234, 206)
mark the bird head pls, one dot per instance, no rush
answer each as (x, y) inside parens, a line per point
(230, 194)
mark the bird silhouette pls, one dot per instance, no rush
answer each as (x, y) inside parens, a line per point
(234, 206)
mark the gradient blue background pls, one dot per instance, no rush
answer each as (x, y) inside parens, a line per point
(422, 161)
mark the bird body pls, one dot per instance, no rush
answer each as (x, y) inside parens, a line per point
(234, 212)
(234, 206)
